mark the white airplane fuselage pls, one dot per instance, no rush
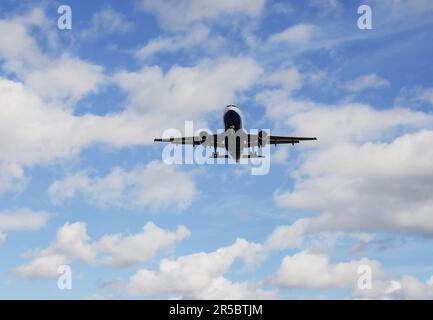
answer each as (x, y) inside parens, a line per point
(233, 126)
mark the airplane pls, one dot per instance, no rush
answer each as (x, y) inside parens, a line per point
(234, 138)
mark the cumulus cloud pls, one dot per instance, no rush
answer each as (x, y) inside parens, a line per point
(125, 250)
(203, 275)
(347, 122)
(62, 78)
(312, 270)
(287, 78)
(21, 219)
(406, 288)
(66, 78)
(309, 270)
(18, 48)
(223, 289)
(74, 244)
(290, 236)
(155, 186)
(188, 92)
(38, 133)
(194, 274)
(373, 187)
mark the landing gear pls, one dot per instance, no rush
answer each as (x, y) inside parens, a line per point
(215, 153)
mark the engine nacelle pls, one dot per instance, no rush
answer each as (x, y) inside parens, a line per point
(205, 138)
(262, 138)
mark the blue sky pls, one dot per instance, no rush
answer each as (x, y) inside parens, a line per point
(82, 183)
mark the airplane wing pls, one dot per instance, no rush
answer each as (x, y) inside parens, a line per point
(288, 140)
(184, 140)
(206, 140)
(262, 139)
(253, 140)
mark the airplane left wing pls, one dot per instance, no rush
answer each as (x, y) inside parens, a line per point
(204, 139)
(288, 140)
(184, 140)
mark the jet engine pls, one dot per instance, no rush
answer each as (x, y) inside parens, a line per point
(263, 138)
(206, 138)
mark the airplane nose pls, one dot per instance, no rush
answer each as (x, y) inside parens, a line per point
(232, 106)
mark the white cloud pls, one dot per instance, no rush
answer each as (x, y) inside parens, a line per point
(12, 178)
(155, 186)
(188, 92)
(407, 288)
(21, 219)
(107, 21)
(53, 77)
(202, 275)
(174, 43)
(297, 34)
(194, 274)
(186, 14)
(352, 122)
(369, 81)
(287, 78)
(280, 155)
(312, 270)
(66, 78)
(41, 267)
(221, 288)
(17, 47)
(39, 133)
(308, 270)
(290, 236)
(371, 187)
(126, 250)
(74, 244)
